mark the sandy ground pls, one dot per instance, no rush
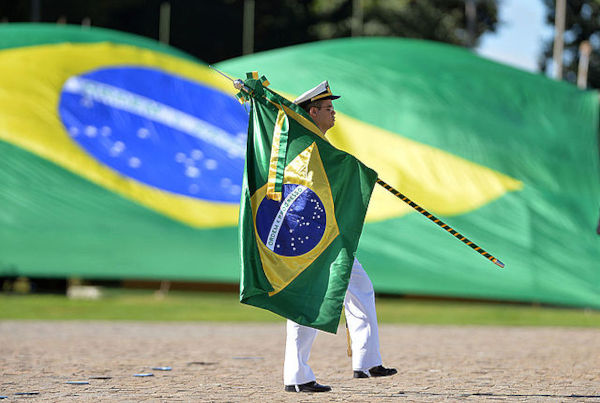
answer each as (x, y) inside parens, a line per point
(243, 363)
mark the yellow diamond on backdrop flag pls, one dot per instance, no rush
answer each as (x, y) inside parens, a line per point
(449, 184)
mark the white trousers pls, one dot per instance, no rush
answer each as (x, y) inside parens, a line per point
(361, 318)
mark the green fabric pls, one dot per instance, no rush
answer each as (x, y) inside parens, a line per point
(315, 297)
(529, 127)
(56, 224)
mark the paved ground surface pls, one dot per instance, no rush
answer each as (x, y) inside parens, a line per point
(243, 363)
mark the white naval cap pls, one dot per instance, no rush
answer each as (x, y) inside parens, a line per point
(321, 91)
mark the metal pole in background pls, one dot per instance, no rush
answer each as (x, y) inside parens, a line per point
(164, 32)
(585, 49)
(248, 30)
(36, 10)
(357, 18)
(471, 16)
(559, 41)
(164, 23)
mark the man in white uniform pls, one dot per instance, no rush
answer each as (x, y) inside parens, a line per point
(359, 303)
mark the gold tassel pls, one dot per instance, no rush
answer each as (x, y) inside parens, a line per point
(348, 339)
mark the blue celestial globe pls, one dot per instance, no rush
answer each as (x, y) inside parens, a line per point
(162, 130)
(293, 226)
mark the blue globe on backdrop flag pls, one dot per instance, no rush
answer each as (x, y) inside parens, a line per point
(151, 133)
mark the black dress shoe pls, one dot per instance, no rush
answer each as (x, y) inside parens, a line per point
(379, 370)
(312, 386)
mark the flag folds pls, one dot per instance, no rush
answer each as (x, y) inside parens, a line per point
(302, 212)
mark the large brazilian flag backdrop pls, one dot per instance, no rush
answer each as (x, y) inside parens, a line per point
(507, 157)
(121, 158)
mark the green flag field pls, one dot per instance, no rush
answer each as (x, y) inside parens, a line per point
(106, 177)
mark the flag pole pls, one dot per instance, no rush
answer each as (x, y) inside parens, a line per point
(239, 84)
(439, 222)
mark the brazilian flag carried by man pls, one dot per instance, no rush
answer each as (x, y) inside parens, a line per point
(301, 215)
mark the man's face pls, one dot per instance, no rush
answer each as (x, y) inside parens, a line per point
(324, 115)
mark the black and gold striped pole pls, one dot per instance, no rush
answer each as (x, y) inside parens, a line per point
(439, 222)
(239, 84)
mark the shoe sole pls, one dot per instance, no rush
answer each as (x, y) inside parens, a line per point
(291, 388)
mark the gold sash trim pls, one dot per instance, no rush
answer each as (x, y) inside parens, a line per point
(281, 120)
